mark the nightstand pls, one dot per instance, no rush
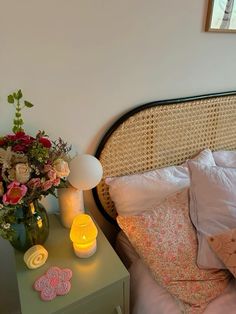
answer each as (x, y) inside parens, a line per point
(100, 283)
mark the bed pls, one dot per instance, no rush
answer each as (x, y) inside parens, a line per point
(168, 135)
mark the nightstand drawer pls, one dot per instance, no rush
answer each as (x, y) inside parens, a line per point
(107, 301)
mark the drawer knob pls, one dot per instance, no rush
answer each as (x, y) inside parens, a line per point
(118, 309)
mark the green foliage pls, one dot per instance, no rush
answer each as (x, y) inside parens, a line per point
(39, 153)
(16, 100)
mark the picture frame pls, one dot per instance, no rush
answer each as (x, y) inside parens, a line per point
(221, 16)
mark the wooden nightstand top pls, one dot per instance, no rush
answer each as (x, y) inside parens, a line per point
(90, 275)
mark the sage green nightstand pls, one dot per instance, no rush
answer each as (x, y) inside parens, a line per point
(99, 285)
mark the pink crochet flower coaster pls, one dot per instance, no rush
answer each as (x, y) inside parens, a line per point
(54, 282)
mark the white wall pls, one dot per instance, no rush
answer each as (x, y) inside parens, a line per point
(84, 62)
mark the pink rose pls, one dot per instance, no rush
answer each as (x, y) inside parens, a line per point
(34, 183)
(46, 185)
(52, 174)
(15, 192)
(47, 167)
(56, 182)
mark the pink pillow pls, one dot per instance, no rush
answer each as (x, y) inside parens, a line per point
(166, 241)
(134, 193)
(224, 245)
(212, 207)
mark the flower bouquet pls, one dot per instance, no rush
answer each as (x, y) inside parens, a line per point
(30, 167)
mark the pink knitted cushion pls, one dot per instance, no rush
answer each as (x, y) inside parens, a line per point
(166, 241)
(54, 282)
(224, 245)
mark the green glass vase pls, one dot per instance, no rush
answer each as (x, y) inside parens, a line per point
(31, 227)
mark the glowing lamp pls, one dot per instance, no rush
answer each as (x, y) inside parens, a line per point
(83, 234)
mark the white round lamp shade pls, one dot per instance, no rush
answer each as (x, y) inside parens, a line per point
(85, 172)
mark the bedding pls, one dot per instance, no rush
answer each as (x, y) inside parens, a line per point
(225, 158)
(163, 135)
(212, 207)
(147, 297)
(134, 193)
(166, 241)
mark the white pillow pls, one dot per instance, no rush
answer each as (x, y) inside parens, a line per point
(212, 207)
(225, 158)
(133, 194)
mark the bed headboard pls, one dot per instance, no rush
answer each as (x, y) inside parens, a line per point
(163, 133)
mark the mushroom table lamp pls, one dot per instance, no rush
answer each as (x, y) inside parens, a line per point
(83, 234)
(85, 173)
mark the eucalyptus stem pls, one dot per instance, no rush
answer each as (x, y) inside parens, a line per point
(15, 99)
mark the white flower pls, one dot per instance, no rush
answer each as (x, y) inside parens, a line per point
(5, 157)
(22, 172)
(6, 226)
(61, 167)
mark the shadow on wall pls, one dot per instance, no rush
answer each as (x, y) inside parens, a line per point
(9, 297)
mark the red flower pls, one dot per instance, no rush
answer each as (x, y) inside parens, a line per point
(17, 136)
(20, 138)
(2, 141)
(45, 142)
(20, 135)
(19, 148)
(19, 141)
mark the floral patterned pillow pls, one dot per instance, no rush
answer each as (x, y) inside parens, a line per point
(224, 245)
(165, 239)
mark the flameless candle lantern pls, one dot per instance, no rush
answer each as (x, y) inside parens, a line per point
(83, 234)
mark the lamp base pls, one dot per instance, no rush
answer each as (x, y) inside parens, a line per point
(85, 250)
(71, 204)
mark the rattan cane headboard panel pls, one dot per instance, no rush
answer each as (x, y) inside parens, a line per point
(163, 133)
